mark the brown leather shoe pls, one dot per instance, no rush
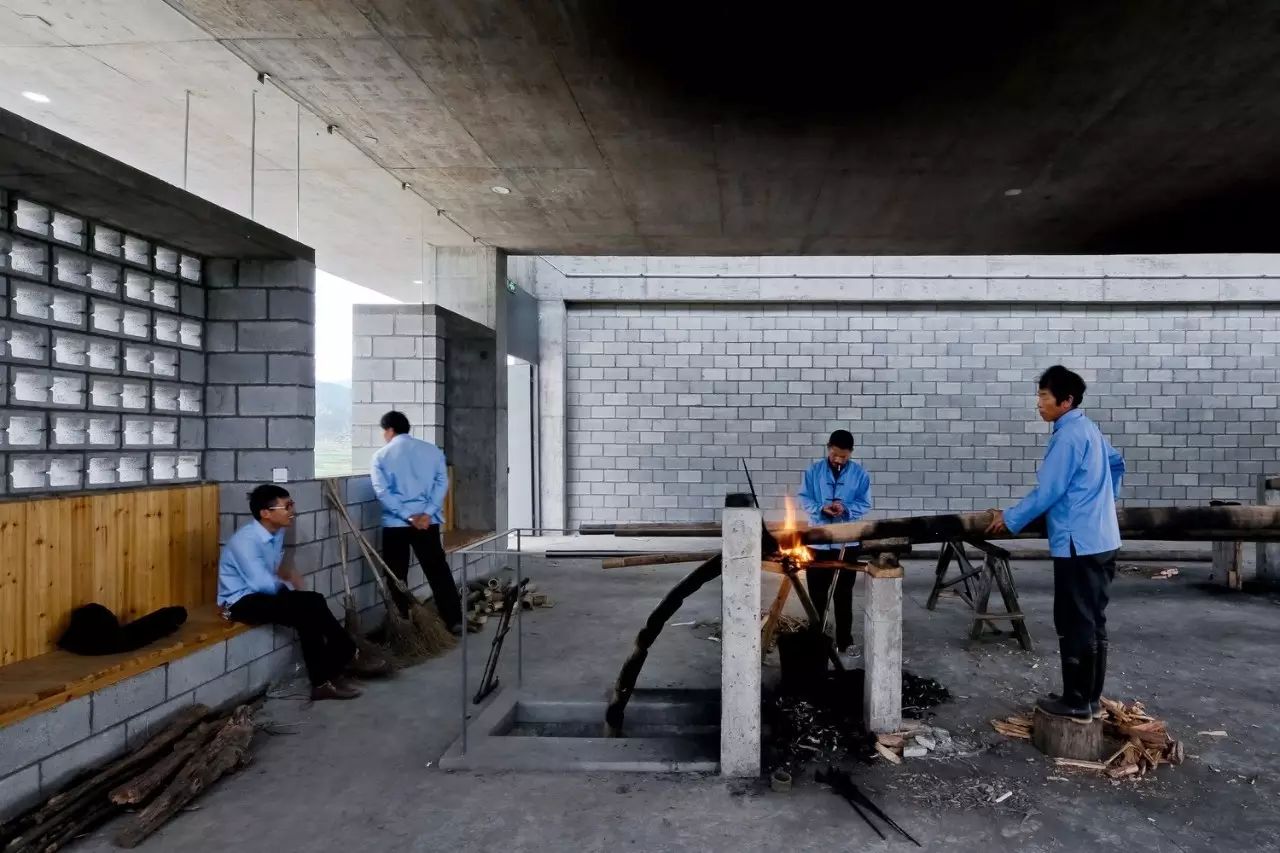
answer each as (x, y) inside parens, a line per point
(331, 690)
(362, 666)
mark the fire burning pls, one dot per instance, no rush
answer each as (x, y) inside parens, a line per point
(789, 545)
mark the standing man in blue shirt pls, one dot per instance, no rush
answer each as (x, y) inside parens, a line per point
(835, 489)
(254, 588)
(410, 478)
(1076, 491)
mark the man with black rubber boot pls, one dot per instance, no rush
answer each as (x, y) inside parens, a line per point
(1076, 491)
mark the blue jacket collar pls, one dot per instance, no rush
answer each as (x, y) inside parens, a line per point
(1073, 415)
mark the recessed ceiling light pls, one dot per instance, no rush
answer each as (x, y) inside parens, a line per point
(501, 190)
(36, 96)
(1013, 192)
(417, 281)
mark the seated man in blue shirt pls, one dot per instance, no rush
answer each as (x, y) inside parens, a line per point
(1076, 491)
(253, 588)
(835, 489)
(410, 478)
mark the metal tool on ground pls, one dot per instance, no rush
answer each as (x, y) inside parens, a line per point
(511, 604)
(842, 783)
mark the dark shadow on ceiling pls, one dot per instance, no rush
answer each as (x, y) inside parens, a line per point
(822, 61)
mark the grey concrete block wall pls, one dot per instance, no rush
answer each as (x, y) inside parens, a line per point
(398, 362)
(260, 370)
(663, 399)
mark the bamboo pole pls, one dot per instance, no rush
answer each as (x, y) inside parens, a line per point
(656, 559)
(1165, 523)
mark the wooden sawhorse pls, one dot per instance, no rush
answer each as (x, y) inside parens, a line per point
(976, 585)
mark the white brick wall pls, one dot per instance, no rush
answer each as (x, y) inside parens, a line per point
(663, 399)
(398, 363)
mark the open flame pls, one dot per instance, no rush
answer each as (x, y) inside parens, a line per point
(798, 553)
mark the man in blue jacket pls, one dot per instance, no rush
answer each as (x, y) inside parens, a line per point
(410, 478)
(835, 489)
(1076, 491)
(254, 587)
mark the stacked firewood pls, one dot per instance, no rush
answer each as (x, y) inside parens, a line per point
(155, 782)
(1139, 742)
(1147, 743)
(486, 598)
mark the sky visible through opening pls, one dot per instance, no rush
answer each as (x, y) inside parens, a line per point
(334, 300)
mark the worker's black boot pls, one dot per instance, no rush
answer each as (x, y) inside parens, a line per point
(1077, 685)
(1099, 676)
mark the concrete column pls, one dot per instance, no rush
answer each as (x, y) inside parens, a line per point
(259, 373)
(552, 423)
(740, 639)
(882, 641)
(1268, 553)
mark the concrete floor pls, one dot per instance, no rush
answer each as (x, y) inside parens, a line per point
(362, 776)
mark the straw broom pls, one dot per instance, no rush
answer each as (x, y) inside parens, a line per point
(424, 634)
(351, 614)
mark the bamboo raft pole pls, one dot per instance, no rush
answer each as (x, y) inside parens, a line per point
(1171, 524)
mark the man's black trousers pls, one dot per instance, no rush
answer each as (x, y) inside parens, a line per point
(819, 583)
(326, 648)
(1081, 585)
(427, 545)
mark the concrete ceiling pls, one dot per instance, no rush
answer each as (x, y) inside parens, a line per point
(117, 73)
(663, 127)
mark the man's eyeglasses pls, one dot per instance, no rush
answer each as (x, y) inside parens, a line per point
(287, 506)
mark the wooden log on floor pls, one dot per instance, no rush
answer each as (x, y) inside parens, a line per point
(1060, 737)
(227, 752)
(139, 788)
(177, 728)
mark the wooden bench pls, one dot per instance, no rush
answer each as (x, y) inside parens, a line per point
(131, 550)
(44, 682)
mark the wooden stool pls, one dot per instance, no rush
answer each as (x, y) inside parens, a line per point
(1060, 737)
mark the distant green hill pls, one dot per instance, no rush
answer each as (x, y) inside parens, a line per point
(333, 411)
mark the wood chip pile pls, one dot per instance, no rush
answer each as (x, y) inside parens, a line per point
(1139, 743)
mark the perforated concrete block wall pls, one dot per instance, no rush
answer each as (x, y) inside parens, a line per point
(101, 354)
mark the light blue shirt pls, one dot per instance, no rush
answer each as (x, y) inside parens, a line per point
(821, 486)
(1076, 490)
(249, 563)
(410, 477)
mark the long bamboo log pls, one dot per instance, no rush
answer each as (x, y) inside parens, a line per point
(656, 559)
(626, 683)
(1181, 524)
(1165, 523)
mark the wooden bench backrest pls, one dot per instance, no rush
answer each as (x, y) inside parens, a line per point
(133, 551)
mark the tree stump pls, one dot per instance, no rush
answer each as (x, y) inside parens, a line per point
(1060, 737)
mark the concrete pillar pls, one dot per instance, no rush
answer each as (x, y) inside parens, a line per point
(740, 639)
(552, 437)
(1268, 553)
(882, 641)
(259, 373)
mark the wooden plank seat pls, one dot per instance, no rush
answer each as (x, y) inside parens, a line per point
(455, 540)
(46, 681)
